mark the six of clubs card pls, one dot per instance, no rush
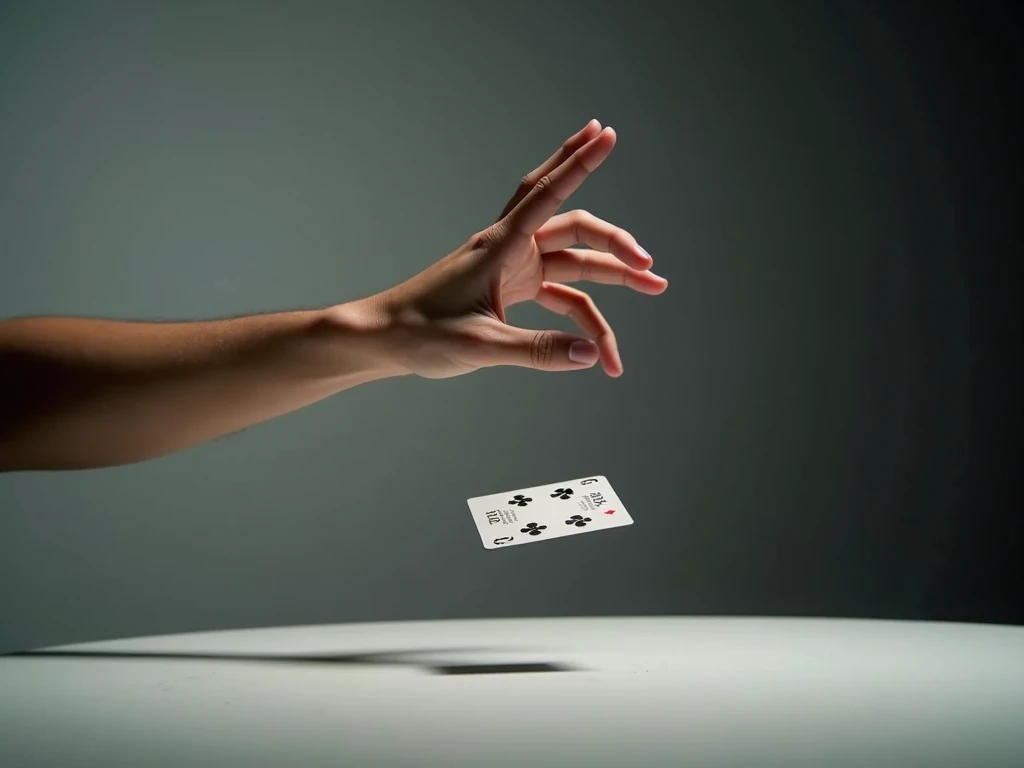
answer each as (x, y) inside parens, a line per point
(529, 515)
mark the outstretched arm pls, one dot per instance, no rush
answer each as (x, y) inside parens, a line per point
(78, 393)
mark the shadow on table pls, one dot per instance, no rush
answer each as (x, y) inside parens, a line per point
(405, 658)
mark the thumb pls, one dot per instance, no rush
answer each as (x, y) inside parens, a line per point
(548, 350)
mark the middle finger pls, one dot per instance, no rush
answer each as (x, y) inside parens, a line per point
(584, 227)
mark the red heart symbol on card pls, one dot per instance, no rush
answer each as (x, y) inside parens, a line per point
(609, 511)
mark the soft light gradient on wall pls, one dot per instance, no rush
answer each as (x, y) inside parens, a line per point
(808, 422)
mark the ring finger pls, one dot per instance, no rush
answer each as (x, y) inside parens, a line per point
(572, 265)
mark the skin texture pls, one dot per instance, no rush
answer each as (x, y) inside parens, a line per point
(78, 393)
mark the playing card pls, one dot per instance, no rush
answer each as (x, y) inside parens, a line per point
(552, 511)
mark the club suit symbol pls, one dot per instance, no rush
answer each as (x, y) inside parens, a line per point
(562, 493)
(533, 529)
(519, 500)
(578, 520)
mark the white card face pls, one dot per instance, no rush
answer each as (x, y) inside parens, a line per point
(552, 511)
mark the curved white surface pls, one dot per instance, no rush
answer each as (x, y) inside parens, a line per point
(642, 692)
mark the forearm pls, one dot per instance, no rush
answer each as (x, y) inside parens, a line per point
(77, 393)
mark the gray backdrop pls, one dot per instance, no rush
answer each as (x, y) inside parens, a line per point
(791, 433)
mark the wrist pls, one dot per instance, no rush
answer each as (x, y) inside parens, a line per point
(362, 331)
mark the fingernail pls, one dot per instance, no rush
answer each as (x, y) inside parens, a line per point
(583, 352)
(643, 252)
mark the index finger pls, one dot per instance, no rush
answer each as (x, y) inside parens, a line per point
(551, 190)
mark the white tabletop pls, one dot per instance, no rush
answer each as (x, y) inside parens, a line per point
(533, 692)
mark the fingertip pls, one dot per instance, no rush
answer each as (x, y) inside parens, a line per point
(606, 136)
(612, 362)
(588, 132)
(599, 147)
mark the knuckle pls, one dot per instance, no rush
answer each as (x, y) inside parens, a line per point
(579, 219)
(546, 186)
(487, 238)
(586, 267)
(498, 231)
(585, 303)
(542, 349)
(526, 183)
(585, 312)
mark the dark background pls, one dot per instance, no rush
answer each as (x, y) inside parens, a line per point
(820, 417)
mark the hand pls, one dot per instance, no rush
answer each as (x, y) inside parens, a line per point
(450, 319)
